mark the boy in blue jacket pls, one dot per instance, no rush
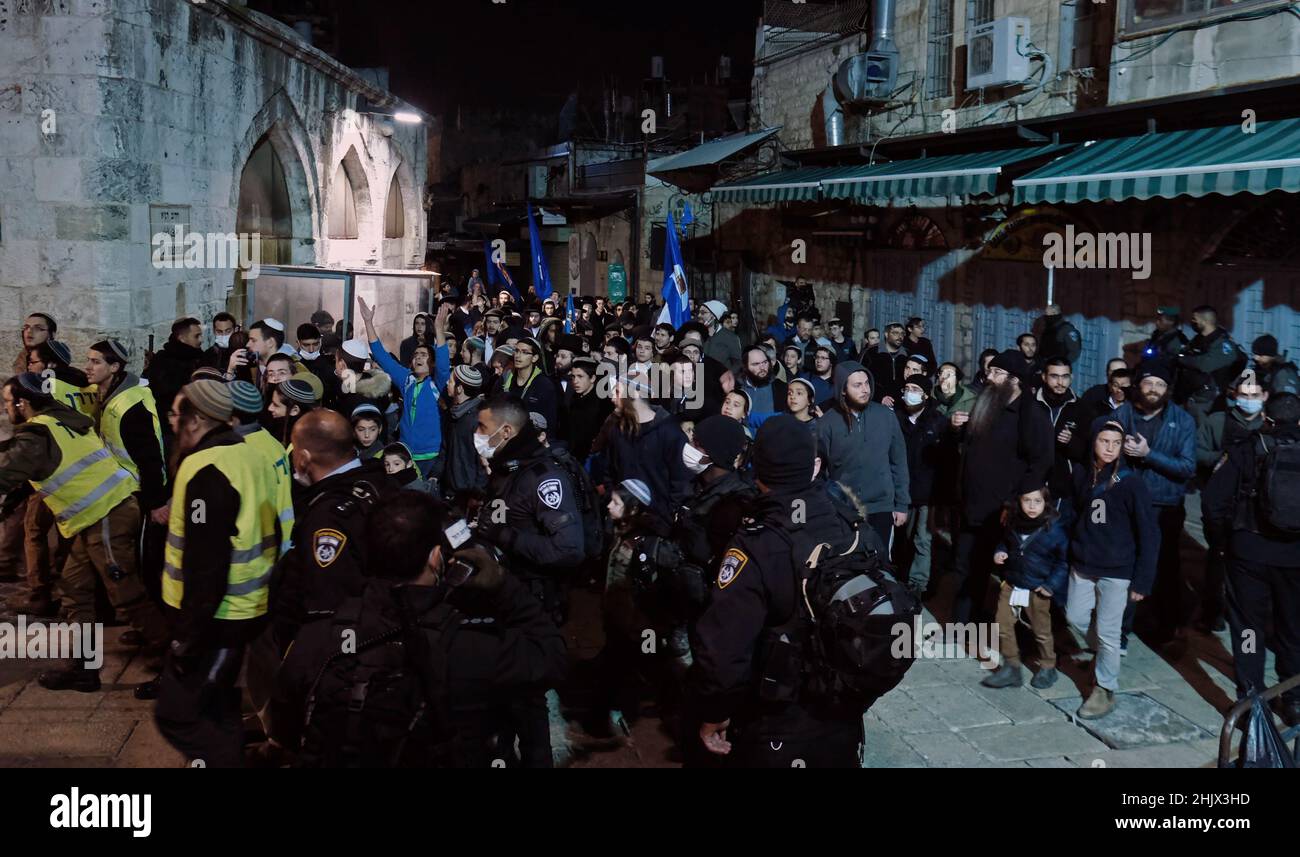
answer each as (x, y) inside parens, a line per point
(1034, 558)
(1112, 557)
(420, 426)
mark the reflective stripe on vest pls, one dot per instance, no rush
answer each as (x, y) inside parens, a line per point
(278, 459)
(110, 424)
(254, 548)
(88, 482)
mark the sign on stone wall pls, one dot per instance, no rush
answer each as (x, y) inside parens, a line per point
(167, 219)
(617, 283)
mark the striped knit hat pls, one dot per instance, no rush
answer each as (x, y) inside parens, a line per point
(211, 398)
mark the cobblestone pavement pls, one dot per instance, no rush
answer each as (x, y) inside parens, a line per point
(1169, 715)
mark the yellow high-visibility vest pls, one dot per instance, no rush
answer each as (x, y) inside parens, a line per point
(278, 459)
(82, 399)
(110, 424)
(88, 482)
(255, 546)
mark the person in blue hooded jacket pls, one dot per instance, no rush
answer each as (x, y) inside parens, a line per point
(1112, 557)
(1034, 556)
(420, 425)
(1160, 445)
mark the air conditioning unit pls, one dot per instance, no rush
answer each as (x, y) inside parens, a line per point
(995, 53)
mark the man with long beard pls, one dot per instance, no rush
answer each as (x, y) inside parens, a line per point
(1160, 444)
(765, 392)
(1007, 451)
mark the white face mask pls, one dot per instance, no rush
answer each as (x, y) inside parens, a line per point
(483, 443)
(913, 399)
(695, 460)
(309, 355)
(222, 341)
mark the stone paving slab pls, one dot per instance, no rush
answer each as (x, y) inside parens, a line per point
(1020, 704)
(1051, 762)
(900, 712)
(64, 738)
(945, 750)
(959, 708)
(1136, 721)
(883, 748)
(1009, 743)
(1184, 754)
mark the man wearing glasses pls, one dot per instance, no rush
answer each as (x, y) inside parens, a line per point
(528, 381)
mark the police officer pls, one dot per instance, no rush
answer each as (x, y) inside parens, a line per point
(1207, 365)
(481, 636)
(720, 497)
(756, 593)
(327, 561)
(532, 516)
(1263, 560)
(1219, 432)
(91, 498)
(224, 535)
(1060, 338)
(1276, 373)
(1167, 340)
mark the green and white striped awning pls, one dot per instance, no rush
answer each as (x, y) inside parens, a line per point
(796, 185)
(1198, 162)
(971, 174)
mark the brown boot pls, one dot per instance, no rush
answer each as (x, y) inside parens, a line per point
(1099, 704)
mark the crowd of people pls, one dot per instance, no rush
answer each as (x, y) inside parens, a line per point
(382, 537)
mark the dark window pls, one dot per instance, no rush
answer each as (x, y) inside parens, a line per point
(395, 212)
(938, 68)
(658, 237)
(1140, 15)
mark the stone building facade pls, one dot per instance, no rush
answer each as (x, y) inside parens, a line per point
(121, 116)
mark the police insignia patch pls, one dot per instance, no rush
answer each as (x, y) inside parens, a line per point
(733, 562)
(326, 545)
(551, 492)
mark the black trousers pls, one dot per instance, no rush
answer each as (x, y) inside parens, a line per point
(199, 712)
(882, 523)
(1261, 595)
(1167, 604)
(973, 564)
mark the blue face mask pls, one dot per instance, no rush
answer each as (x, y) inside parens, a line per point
(1250, 407)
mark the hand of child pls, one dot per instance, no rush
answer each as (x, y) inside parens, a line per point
(1000, 557)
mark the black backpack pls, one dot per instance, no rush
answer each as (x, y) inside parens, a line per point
(855, 608)
(372, 707)
(589, 506)
(1277, 486)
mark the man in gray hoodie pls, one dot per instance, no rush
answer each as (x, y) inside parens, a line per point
(863, 449)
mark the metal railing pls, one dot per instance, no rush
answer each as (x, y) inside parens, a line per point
(1291, 734)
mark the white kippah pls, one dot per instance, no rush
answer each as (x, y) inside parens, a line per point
(357, 348)
(274, 324)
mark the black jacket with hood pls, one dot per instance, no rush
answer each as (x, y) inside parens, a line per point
(653, 455)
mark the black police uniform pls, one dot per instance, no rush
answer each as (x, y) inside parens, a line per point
(1060, 339)
(1205, 369)
(1165, 346)
(327, 563)
(1263, 585)
(738, 656)
(495, 642)
(531, 515)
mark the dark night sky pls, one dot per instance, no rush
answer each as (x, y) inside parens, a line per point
(444, 53)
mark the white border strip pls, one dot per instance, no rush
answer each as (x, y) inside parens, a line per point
(1165, 171)
(886, 177)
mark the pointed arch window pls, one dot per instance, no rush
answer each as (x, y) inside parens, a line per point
(343, 207)
(394, 212)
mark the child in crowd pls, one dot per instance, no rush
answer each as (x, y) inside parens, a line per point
(1034, 558)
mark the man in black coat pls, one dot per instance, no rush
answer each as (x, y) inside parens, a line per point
(170, 368)
(886, 364)
(1007, 451)
(1060, 338)
(927, 435)
(1070, 426)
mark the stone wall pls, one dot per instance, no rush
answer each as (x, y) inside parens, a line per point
(109, 107)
